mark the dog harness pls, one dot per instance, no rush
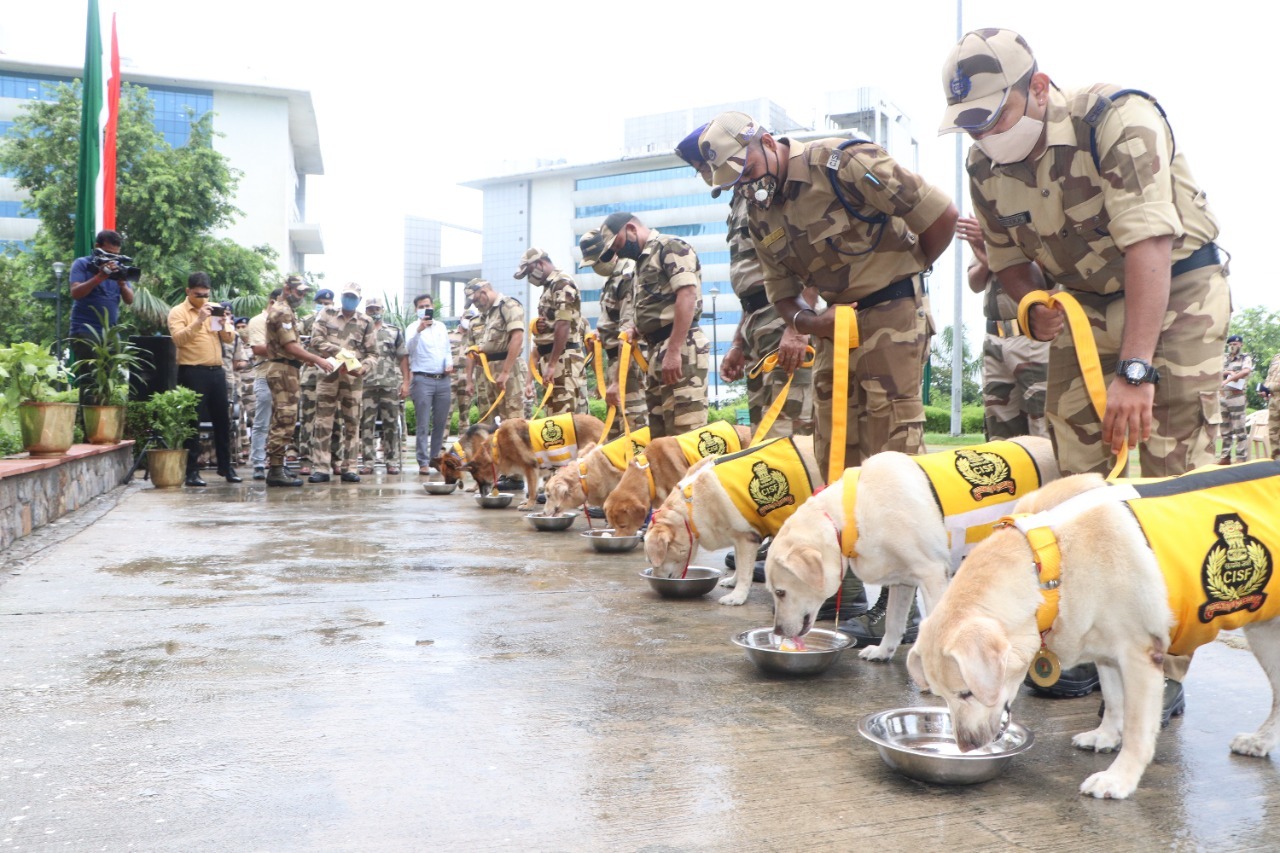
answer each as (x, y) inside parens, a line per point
(1214, 533)
(971, 486)
(554, 440)
(623, 448)
(767, 483)
(714, 439)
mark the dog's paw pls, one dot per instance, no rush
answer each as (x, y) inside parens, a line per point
(738, 596)
(1251, 744)
(729, 582)
(877, 653)
(527, 505)
(1097, 740)
(1108, 786)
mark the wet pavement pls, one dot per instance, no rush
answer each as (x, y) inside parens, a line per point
(367, 668)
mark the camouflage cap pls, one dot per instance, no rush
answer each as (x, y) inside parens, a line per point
(472, 287)
(530, 257)
(592, 246)
(297, 282)
(352, 288)
(723, 146)
(609, 231)
(373, 302)
(978, 75)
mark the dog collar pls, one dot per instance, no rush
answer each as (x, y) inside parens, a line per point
(687, 491)
(1047, 561)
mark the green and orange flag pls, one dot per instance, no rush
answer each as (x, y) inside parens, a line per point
(96, 187)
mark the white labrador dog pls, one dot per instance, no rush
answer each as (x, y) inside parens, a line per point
(1113, 607)
(902, 538)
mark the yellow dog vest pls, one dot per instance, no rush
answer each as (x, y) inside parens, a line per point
(715, 439)
(971, 485)
(1214, 532)
(616, 451)
(767, 483)
(554, 440)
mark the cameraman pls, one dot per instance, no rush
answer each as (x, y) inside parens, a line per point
(91, 294)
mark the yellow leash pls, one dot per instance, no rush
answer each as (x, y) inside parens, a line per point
(846, 339)
(537, 375)
(767, 365)
(627, 353)
(1086, 349)
(473, 353)
(596, 357)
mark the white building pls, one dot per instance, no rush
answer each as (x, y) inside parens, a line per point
(269, 135)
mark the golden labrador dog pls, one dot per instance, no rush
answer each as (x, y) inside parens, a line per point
(511, 451)
(1118, 574)
(597, 472)
(647, 482)
(732, 500)
(909, 529)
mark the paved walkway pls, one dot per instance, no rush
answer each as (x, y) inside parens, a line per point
(366, 667)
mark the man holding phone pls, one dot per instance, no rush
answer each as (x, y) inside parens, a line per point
(427, 380)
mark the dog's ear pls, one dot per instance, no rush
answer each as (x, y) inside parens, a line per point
(657, 541)
(979, 652)
(806, 564)
(915, 668)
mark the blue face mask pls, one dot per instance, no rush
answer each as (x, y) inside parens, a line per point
(350, 303)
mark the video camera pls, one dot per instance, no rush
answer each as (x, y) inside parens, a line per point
(123, 272)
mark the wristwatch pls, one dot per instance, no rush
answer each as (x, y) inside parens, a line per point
(1135, 371)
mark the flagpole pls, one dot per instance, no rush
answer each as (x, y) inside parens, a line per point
(88, 210)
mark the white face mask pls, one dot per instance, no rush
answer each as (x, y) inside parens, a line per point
(1013, 145)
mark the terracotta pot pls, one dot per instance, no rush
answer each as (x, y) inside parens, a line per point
(103, 424)
(47, 428)
(168, 468)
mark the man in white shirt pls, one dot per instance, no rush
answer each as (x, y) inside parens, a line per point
(431, 369)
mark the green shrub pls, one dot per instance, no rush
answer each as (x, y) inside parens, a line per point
(938, 419)
(173, 416)
(10, 442)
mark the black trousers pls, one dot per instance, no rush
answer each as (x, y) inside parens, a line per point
(211, 384)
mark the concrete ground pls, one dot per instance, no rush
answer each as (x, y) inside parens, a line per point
(368, 668)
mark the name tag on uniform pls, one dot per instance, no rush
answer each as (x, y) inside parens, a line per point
(286, 325)
(833, 162)
(772, 237)
(1023, 218)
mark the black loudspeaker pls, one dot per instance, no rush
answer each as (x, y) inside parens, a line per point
(160, 370)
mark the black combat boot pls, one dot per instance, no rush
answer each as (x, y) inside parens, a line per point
(868, 629)
(278, 476)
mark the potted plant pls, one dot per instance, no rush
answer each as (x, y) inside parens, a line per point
(106, 376)
(31, 375)
(172, 415)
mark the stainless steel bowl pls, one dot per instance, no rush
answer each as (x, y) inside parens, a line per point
(699, 580)
(497, 501)
(563, 521)
(440, 488)
(921, 743)
(823, 648)
(606, 543)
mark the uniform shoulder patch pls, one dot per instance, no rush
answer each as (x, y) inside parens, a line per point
(773, 237)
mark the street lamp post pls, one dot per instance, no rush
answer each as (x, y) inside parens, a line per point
(58, 269)
(715, 341)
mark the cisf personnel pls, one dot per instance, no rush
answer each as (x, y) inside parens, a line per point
(501, 342)
(307, 395)
(761, 330)
(845, 218)
(1089, 184)
(284, 356)
(459, 340)
(617, 300)
(383, 391)
(1236, 367)
(558, 329)
(341, 330)
(668, 303)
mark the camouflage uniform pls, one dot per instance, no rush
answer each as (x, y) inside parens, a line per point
(308, 375)
(281, 373)
(459, 340)
(381, 398)
(761, 333)
(560, 300)
(1273, 409)
(667, 264)
(233, 352)
(482, 396)
(617, 299)
(244, 388)
(1110, 178)
(339, 393)
(807, 237)
(1233, 404)
(1014, 369)
(504, 316)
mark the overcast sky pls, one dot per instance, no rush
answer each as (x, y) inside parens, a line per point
(411, 99)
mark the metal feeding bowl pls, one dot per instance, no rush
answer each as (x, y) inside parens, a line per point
(921, 743)
(497, 501)
(440, 488)
(699, 580)
(822, 648)
(606, 542)
(563, 521)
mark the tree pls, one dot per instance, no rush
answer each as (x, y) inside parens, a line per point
(940, 370)
(168, 200)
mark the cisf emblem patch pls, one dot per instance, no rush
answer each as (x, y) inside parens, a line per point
(710, 444)
(1235, 571)
(769, 488)
(552, 434)
(985, 473)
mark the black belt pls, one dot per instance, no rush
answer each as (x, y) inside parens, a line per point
(292, 362)
(1202, 257)
(753, 302)
(662, 334)
(1004, 328)
(545, 349)
(199, 367)
(898, 290)
(496, 356)
(429, 375)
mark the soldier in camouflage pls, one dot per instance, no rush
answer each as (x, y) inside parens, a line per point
(1015, 367)
(558, 330)
(384, 389)
(844, 218)
(336, 331)
(284, 355)
(308, 376)
(502, 342)
(761, 330)
(1273, 408)
(1088, 184)
(667, 305)
(459, 340)
(617, 299)
(243, 365)
(1237, 365)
